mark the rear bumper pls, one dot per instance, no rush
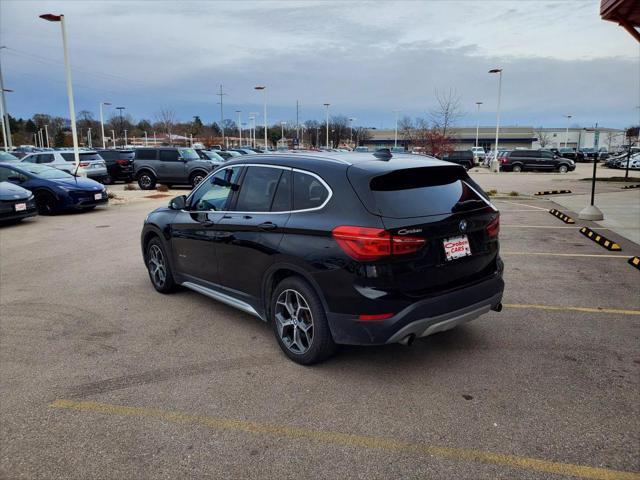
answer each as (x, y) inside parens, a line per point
(422, 318)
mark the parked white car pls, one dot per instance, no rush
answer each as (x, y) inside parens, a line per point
(91, 163)
(478, 153)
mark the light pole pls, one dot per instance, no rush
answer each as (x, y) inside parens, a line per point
(239, 112)
(252, 124)
(395, 137)
(125, 138)
(221, 113)
(327, 108)
(566, 132)
(282, 124)
(89, 137)
(495, 167)
(113, 138)
(6, 129)
(264, 89)
(120, 109)
(154, 139)
(46, 133)
(478, 122)
(50, 17)
(351, 131)
(104, 145)
(146, 140)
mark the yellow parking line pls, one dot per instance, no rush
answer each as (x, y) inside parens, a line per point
(571, 309)
(363, 441)
(551, 254)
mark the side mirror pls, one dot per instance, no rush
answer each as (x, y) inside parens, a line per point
(178, 203)
(15, 179)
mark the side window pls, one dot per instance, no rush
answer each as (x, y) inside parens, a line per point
(169, 155)
(308, 192)
(258, 189)
(145, 154)
(547, 155)
(214, 193)
(5, 173)
(31, 159)
(282, 198)
(45, 158)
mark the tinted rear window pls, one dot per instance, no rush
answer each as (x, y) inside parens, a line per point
(418, 192)
(85, 157)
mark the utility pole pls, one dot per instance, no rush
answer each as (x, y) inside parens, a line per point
(46, 132)
(221, 113)
(297, 123)
(327, 107)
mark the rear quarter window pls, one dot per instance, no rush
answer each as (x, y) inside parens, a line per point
(308, 191)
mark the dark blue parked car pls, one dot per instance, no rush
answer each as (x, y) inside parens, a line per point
(54, 190)
(16, 203)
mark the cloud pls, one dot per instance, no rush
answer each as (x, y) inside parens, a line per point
(365, 58)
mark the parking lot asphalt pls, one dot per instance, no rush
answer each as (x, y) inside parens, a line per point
(102, 377)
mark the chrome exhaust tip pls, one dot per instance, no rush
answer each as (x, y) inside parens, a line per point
(408, 340)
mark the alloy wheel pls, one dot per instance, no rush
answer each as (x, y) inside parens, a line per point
(157, 266)
(294, 321)
(145, 181)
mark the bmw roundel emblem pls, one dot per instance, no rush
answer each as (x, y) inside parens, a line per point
(463, 226)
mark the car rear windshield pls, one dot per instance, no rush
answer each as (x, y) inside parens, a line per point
(85, 157)
(43, 171)
(418, 192)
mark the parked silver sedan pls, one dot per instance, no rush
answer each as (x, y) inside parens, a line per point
(91, 163)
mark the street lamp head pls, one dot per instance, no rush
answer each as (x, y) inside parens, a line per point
(478, 103)
(326, 104)
(7, 90)
(106, 103)
(260, 87)
(495, 70)
(50, 17)
(121, 108)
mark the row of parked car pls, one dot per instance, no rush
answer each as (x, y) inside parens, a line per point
(147, 166)
(518, 160)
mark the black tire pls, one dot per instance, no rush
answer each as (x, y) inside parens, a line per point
(196, 177)
(146, 180)
(46, 203)
(563, 169)
(516, 168)
(108, 180)
(162, 285)
(321, 345)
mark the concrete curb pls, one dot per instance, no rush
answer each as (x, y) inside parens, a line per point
(599, 239)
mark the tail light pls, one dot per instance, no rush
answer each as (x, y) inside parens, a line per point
(493, 229)
(379, 316)
(122, 162)
(84, 164)
(363, 243)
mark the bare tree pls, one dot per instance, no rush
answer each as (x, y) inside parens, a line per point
(166, 117)
(447, 111)
(543, 137)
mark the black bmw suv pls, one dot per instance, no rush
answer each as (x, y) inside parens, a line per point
(334, 248)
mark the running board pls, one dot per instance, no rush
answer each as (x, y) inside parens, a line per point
(221, 297)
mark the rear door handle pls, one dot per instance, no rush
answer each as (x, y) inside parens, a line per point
(267, 226)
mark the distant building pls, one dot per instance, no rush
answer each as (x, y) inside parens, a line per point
(510, 137)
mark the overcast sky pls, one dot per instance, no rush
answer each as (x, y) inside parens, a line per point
(365, 58)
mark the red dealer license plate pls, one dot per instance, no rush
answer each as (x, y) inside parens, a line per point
(457, 247)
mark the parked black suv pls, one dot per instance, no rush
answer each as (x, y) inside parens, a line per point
(334, 248)
(521, 160)
(170, 166)
(119, 164)
(461, 157)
